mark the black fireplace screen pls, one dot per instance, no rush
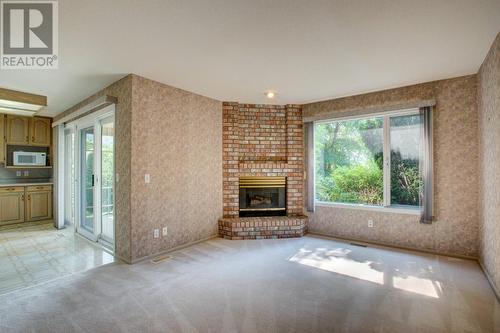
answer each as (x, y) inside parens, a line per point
(262, 196)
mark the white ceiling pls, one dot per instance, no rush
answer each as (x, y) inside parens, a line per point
(235, 50)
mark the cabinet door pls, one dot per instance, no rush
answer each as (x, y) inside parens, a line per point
(11, 207)
(17, 130)
(2, 138)
(40, 131)
(39, 206)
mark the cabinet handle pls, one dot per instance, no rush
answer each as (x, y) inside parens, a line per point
(29, 197)
(27, 138)
(22, 197)
(33, 139)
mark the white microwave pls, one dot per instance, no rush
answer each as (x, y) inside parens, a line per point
(30, 158)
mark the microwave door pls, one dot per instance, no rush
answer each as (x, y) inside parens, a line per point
(26, 160)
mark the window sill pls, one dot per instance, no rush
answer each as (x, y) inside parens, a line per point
(391, 209)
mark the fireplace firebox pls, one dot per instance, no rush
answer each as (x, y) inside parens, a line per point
(262, 196)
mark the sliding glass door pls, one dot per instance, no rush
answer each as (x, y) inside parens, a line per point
(95, 183)
(69, 177)
(88, 178)
(107, 179)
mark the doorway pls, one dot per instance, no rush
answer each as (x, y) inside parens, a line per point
(89, 177)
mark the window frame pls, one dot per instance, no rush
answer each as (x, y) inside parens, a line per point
(387, 206)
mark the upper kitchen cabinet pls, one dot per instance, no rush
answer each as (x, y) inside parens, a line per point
(39, 131)
(27, 131)
(17, 130)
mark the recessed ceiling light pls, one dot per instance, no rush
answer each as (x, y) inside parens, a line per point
(270, 94)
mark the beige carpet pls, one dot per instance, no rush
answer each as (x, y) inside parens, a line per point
(297, 285)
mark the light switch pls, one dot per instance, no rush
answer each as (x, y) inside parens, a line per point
(26, 173)
(117, 177)
(147, 178)
(18, 173)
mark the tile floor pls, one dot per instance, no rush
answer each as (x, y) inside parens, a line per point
(33, 253)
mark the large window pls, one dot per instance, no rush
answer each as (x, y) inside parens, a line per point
(406, 179)
(370, 161)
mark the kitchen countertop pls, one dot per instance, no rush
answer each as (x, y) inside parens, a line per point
(26, 184)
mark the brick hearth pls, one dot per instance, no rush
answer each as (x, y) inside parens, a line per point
(263, 227)
(264, 141)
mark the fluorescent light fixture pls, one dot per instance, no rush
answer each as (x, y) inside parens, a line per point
(18, 112)
(21, 103)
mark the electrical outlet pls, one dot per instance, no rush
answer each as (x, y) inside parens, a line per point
(156, 233)
(18, 173)
(165, 231)
(147, 178)
(370, 223)
(26, 173)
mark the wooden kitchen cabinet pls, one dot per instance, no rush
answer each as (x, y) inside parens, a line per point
(38, 203)
(2, 138)
(12, 205)
(25, 203)
(17, 130)
(34, 131)
(39, 131)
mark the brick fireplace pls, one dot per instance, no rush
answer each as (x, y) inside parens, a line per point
(263, 142)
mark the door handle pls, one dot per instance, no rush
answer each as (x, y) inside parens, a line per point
(92, 180)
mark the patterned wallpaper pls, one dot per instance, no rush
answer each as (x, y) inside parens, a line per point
(455, 172)
(177, 139)
(489, 125)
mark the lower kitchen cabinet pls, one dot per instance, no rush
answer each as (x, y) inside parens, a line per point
(12, 205)
(39, 203)
(25, 203)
